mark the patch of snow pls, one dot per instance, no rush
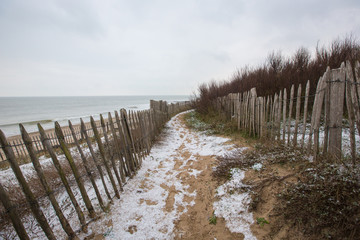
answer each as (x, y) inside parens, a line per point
(257, 166)
(345, 133)
(156, 221)
(142, 211)
(233, 206)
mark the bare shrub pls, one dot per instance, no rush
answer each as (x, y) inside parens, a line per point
(279, 72)
(325, 201)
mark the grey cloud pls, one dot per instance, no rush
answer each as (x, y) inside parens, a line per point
(153, 47)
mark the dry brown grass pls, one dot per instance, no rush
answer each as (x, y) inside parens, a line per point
(299, 198)
(53, 179)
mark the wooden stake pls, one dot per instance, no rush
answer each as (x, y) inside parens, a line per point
(49, 192)
(102, 154)
(336, 110)
(305, 112)
(290, 112)
(110, 151)
(46, 142)
(34, 205)
(87, 165)
(284, 115)
(125, 148)
(117, 149)
(94, 157)
(11, 210)
(351, 117)
(69, 157)
(297, 116)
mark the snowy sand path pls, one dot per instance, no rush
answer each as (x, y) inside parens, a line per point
(172, 195)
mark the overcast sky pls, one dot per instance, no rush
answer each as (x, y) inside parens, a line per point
(161, 47)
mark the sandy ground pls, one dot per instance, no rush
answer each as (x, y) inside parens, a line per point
(51, 131)
(173, 194)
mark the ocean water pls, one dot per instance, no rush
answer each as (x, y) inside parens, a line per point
(46, 110)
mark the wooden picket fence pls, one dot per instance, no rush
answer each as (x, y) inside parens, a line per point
(290, 118)
(130, 135)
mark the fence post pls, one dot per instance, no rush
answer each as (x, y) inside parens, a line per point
(350, 110)
(133, 132)
(11, 209)
(357, 78)
(278, 117)
(50, 193)
(102, 154)
(284, 115)
(290, 112)
(354, 97)
(313, 113)
(273, 116)
(111, 153)
(305, 112)
(125, 147)
(318, 109)
(128, 139)
(34, 205)
(74, 169)
(94, 157)
(297, 115)
(336, 110)
(252, 113)
(46, 142)
(117, 149)
(86, 165)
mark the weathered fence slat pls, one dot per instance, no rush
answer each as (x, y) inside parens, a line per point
(307, 90)
(49, 192)
(124, 147)
(278, 117)
(102, 154)
(326, 117)
(86, 166)
(127, 121)
(274, 116)
(313, 113)
(290, 112)
(252, 114)
(284, 115)
(357, 77)
(318, 106)
(74, 169)
(34, 205)
(127, 140)
(35, 143)
(351, 117)
(46, 142)
(94, 157)
(14, 216)
(337, 88)
(14, 144)
(297, 115)
(354, 98)
(117, 149)
(112, 155)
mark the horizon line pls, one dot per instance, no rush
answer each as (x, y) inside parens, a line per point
(104, 95)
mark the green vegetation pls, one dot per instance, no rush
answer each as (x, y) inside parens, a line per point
(261, 221)
(212, 219)
(215, 123)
